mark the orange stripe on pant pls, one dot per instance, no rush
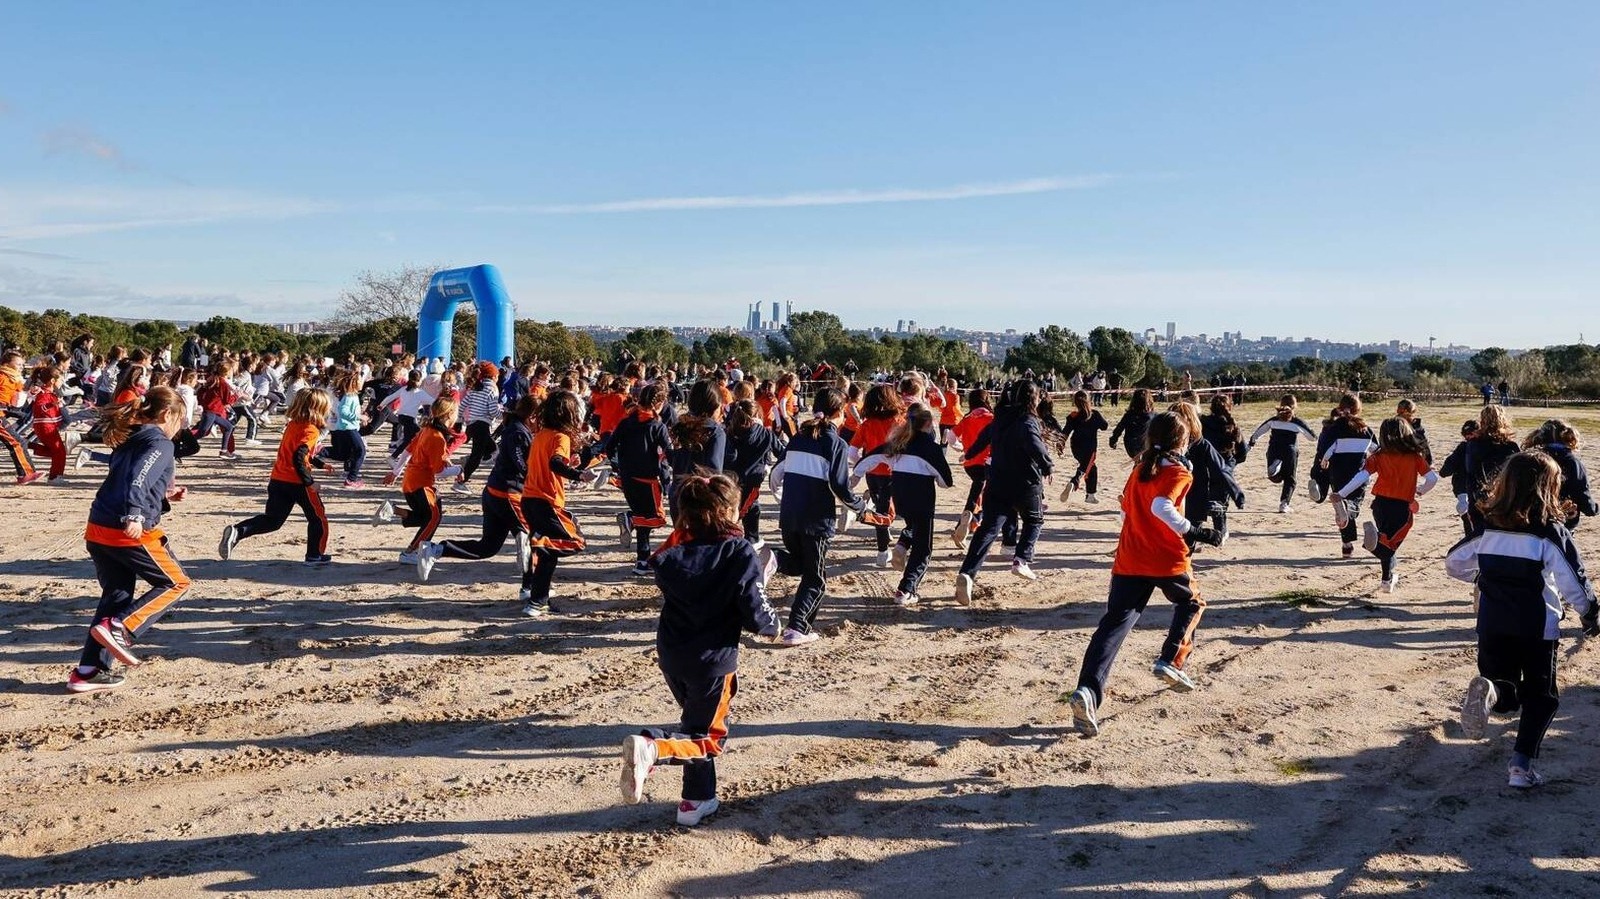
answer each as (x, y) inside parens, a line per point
(682, 747)
(515, 500)
(19, 453)
(1187, 645)
(315, 499)
(154, 605)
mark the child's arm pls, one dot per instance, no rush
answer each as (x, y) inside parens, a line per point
(1263, 428)
(1565, 567)
(759, 618)
(1430, 478)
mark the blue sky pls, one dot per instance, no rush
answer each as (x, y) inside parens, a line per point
(1348, 170)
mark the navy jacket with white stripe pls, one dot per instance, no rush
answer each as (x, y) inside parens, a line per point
(916, 474)
(815, 470)
(1522, 577)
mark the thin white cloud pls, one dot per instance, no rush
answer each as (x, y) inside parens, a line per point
(76, 140)
(848, 197)
(42, 256)
(22, 288)
(42, 213)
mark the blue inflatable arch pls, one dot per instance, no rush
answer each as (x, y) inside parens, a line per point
(481, 286)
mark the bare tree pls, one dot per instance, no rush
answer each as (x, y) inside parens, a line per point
(380, 295)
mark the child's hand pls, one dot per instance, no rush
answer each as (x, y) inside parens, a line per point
(177, 493)
(133, 529)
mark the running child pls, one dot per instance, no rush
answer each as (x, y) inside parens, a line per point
(552, 464)
(501, 500)
(1342, 450)
(967, 430)
(1283, 432)
(47, 417)
(13, 394)
(1400, 460)
(1559, 441)
(427, 459)
(751, 448)
(1454, 468)
(216, 398)
(699, 442)
(881, 413)
(1483, 456)
(917, 469)
(1082, 428)
(713, 587)
(125, 540)
(1019, 462)
(480, 408)
(345, 442)
(291, 483)
(1524, 568)
(950, 411)
(1214, 485)
(1154, 551)
(814, 472)
(1134, 423)
(637, 448)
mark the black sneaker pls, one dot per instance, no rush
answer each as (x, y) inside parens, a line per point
(100, 680)
(641, 568)
(110, 633)
(318, 561)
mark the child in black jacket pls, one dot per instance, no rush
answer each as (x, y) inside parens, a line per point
(1524, 567)
(917, 469)
(1019, 461)
(751, 446)
(637, 449)
(1083, 427)
(1559, 441)
(713, 586)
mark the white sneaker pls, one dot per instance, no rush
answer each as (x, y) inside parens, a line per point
(82, 460)
(1475, 709)
(792, 637)
(964, 588)
(1284, 508)
(252, 442)
(885, 558)
(1173, 675)
(624, 530)
(524, 551)
(845, 518)
(460, 487)
(427, 554)
(691, 813)
(1084, 710)
(1389, 583)
(897, 557)
(1369, 536)
(1023, 570)
(1091, 498)
(638, 757)
(230, 538)
(906, 600)
(1523, 778)
(384, 513)
(536, 608)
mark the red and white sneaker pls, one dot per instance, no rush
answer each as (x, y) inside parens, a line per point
(29, 478)
(691, 813)
(110, 633)
(101, 679)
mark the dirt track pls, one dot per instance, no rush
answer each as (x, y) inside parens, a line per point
(350, 731)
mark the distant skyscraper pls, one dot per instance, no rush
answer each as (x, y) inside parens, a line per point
(753, 323)
(1172, 332)
(788, 310)
(900, 326)
(777, 317)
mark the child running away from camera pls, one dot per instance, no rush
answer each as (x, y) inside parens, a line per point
(1524, 567)
(713, 586)
(1153, 553)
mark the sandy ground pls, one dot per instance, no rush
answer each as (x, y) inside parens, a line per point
(352, 732)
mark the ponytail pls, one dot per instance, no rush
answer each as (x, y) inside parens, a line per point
(155, 405)
(1162, 442)
(827, 404)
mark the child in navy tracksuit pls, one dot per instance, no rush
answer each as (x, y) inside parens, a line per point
(1134, 423)
(1083, 427)
(699, 442)
(125, 541)
(814, 472)
(1283, 432)
(1342, 450)
(1214, 485)
(501, 499)
(1560, 442)
(637, 447)
(1019, 461)
(1525, 567)
(713, 587)
(917, 469)
(751, 445)
(1454, 467)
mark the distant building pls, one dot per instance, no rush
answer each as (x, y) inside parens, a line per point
(1172, 333)
(776, 315)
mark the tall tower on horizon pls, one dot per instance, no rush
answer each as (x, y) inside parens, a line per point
(788, 310)
(1172, 333)
(776, 315)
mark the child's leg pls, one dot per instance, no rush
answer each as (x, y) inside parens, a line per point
(310, 502)
(1286, 474)
(1091, 480)
(117, 580)
(921, 532)
(1537, 690)
(1124, 602)
(1393, 518)
(879, 489)
(750, 509)
(558, 536)
(281, 498)
(423, 513)
(156, 565)
(500, 520)
(645, 514)
(482, 448)
(1187, 607)
(1030, 512)
(979, 474)
(809, 556)
(995, 517)
(19, 454)
(702, 732)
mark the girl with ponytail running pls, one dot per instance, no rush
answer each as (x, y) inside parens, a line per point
(1401, 459)
(291, 483)
(967, 430)
(1342, 450)
(917, 469)
(1082, 428)
(1283, 446)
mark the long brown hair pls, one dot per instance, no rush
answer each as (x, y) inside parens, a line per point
(882, 401)
(1395, 435)
(154, 406)
(828, 403)
(708, 507)
(918, 418)
(1525, 492)
(1349, 409)
(1554, 430)
(1163, 441)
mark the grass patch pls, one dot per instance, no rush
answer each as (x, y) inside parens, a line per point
(1296, 767)
(1299, 599)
